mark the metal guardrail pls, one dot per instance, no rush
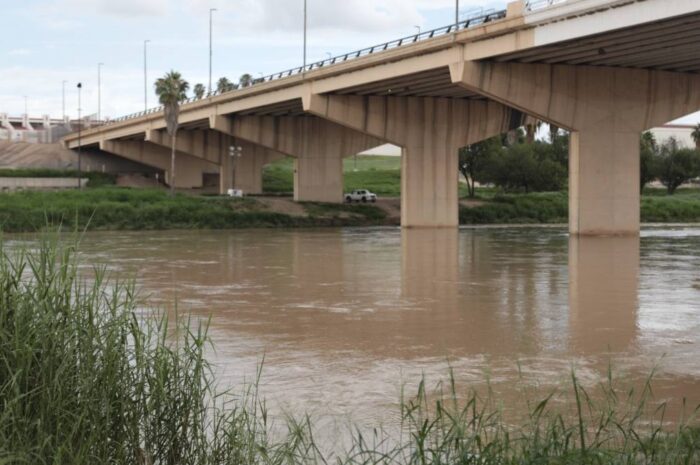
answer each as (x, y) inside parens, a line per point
(534, 5)
(481, 18)
(467, 23)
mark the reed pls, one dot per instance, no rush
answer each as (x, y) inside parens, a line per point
(87, 376)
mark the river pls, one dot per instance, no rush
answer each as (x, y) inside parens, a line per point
(345, 318)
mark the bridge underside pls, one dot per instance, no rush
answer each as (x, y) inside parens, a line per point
(605, 87)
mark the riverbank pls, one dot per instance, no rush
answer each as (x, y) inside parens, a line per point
(90, 377)
(114, 208)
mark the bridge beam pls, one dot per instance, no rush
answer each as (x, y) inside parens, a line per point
(431, 131)
(606, 109)
(189, 170)
(319, 148)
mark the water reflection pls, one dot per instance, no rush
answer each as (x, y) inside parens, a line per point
(603, 293)
(344, 317)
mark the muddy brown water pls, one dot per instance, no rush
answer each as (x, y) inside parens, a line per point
(345, 318)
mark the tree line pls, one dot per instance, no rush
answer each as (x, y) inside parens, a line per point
(516, 162)
(224, 84)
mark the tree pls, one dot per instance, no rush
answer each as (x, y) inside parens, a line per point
(199, 90)
(474, 160)
(245, 80)
(648, 169)
(696, 136)
(676, 165)
(224, 85)
(171, 90)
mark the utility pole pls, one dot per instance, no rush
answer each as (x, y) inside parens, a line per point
(456, 15)
(99, 92)
(63, 93)
(80, 128)
(145, 76)
(305, 28)
(211, 49)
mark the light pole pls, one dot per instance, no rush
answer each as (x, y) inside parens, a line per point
(305, 28)
(63, 100)
(80, 128)
(26, 111)
(99, 92)
(418, 29)
(145, 75)
(211, 50)
(456, 15)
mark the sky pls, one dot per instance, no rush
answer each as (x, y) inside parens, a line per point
(48, 42)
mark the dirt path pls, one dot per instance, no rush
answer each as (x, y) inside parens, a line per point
(283, 205)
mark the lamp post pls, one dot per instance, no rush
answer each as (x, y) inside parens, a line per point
(305, 28)
(80, 128)
(418, 29)
(456, 15)
(145, 75)
(26, 107)
(211, 49)
(99, 92)
(63, 99)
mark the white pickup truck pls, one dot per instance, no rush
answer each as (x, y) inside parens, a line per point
(360, 195)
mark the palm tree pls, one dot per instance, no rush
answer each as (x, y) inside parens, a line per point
(696, 136)
(246, 80)
(224, 85)
(199, 90)
(171, 90)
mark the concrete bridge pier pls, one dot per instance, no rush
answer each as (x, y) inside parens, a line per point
(248, 168)
(430, 131)
(318, 147)
(606, 110)
(189, 170)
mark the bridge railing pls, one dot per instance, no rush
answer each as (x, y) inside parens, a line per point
(471, 21)
(534, 5)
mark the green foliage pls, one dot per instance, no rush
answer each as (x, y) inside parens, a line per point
(95, 179)
(541, 208)
(86, 378)
(676, 165)
(526, 167)
(224, 85)
(648, 164)
(475, 160)
(199, 90)
(111, 208)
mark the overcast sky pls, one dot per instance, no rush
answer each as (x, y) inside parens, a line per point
(47, 42)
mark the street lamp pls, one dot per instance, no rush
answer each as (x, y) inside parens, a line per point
(26, 106)
(418, 29)
(63, 93)
(211, 51)
(305, 28)
(99, 92)
(456, 15)
(145, 76)
(80, 127)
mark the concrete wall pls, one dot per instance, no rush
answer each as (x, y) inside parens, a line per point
(12, 184)
(679, 131)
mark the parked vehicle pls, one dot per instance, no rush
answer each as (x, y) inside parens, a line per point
(360, 195)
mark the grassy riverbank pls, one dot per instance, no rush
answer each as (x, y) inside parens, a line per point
(86, 377)
(136, 209)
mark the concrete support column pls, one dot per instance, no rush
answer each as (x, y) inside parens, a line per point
(604, 183)
(248, 168)
(606, 109)
(318, 178)
(429, 187)
(430, 130)
(318, 146)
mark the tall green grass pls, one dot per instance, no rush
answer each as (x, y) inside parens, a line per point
(86, 378)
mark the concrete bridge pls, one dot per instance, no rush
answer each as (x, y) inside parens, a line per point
(606, 70)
